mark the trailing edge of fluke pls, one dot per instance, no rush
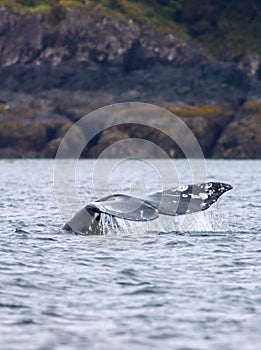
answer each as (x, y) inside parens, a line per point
(175, 201)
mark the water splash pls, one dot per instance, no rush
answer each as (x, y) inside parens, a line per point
(197, 222)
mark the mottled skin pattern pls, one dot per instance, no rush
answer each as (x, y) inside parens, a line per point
(175, 201)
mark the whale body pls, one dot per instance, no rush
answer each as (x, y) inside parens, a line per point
(181, 200)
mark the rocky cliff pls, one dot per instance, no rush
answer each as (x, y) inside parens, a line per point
(56, 68)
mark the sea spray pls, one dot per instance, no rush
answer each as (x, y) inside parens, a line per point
(109, 225)
(196, 222)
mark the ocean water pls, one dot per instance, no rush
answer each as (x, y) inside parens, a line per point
(193, 284)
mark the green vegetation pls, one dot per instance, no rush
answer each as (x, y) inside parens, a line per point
(231, 26)
(228, 28)
(53, 8)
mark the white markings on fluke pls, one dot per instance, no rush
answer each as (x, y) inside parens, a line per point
(189, 199)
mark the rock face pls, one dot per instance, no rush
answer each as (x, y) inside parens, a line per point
(31, 137)
(53, 74)
(241, 138)
(93, 39)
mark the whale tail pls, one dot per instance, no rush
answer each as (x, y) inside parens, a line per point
(175, 201)
(188, 199)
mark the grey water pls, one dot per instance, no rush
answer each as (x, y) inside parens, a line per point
(194, 284)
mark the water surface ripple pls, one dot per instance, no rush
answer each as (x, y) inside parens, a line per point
(190, 290)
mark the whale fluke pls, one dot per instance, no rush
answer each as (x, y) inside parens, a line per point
(125, 207)
(175, 201)
(187, 199)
